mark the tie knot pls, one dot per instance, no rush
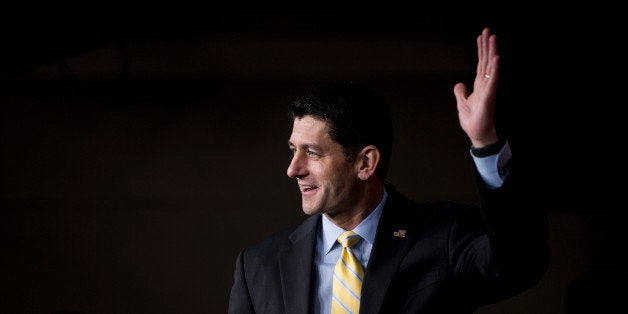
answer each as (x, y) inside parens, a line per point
(348, 239)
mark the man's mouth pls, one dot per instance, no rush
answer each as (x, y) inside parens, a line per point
(308, 188)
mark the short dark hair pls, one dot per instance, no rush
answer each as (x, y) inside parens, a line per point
(357, 115)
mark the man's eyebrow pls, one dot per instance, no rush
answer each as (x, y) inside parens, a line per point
(304, 145)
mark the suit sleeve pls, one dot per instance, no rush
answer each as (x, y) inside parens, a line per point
(516, 223)
(503, 251)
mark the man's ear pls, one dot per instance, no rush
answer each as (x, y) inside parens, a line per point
(366, 162)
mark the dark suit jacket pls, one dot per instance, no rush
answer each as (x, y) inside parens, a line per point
(454, 258)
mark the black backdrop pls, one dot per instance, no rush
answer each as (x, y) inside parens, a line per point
(140, 153)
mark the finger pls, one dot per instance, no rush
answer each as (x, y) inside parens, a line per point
(483, 44)
(479, 71)
(492, 53)
(494, 71)
(492, 44)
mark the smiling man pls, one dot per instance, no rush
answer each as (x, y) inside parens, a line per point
(368, 249)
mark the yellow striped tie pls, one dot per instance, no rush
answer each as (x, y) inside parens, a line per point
(348, 275)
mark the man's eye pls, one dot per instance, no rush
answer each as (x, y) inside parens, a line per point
(312, 154)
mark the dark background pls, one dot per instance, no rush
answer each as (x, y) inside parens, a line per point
(141, 149)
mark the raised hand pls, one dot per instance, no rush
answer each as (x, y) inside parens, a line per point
(476, 111)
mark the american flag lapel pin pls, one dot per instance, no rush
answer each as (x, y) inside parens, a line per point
(400, 233)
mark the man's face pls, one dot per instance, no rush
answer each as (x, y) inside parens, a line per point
(325, 176)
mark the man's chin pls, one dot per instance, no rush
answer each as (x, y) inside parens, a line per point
(311, 210)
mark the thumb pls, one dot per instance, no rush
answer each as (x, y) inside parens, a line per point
(460, 91)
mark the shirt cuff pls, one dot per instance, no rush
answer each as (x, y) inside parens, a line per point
(493, 168)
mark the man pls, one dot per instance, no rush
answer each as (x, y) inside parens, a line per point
(408, 257)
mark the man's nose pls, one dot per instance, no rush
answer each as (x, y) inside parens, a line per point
(297, 167)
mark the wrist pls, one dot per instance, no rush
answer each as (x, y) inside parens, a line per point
(488, 150)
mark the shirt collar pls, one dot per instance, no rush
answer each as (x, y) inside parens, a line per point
(366, 229)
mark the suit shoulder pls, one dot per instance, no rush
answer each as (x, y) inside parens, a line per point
(431, 207)
(283, 238)
(434, 208)
(273, 241)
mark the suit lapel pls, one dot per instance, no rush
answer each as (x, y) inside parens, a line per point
(295, 266)
(394, 237)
